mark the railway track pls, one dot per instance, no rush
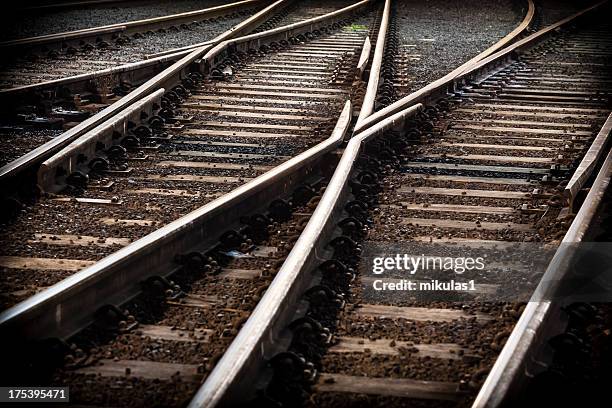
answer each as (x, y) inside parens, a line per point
(55, 56)
(109, 47)
(488, 166)
(71, 106)
(420, 32)
(256, 298)
(400, 350)
(219, 135)
(177, 330)
(488, 171)
(224, 132)
(42, 119)
(31, 128)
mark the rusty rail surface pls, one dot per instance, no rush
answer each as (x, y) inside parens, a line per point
(65, 308)
(220, 51)
(69, 154)
(367, 107)
(83, 150)
(232, 378)
(364, 57)
(68, 306)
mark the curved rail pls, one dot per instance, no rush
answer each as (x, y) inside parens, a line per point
(126, 27)
(69, 153)
(137, 72)
(271, 32)
(165, 79)
(254, 343)
(508, 38)
(529, 333)
(133, 73)
(220, 51)
(367, 107)
(256, 340)
(66, 307)
(587, 165)
(448, 78)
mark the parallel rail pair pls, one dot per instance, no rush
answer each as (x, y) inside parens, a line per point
(245, 354)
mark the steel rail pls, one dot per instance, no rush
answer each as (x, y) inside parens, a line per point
(312, 20)
(165, 79)
(220, 51)
(507, 39)
(57, 311)
(129, 27)
(69, 4)
(540, 314)
(528, 41)
(258, 339)
(63, 309)
(364, 57)
(85, 146)
(367, 107)
(232, 377)
(132, 73)
(68, 153)
(68, 306)
(589, 161)
(136, 72)
(437, 85)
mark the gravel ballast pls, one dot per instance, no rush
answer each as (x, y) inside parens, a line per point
(30, 23)
(436, 36)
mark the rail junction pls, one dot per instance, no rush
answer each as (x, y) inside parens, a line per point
(190, 202)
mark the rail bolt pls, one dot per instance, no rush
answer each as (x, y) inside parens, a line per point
(98, 165)
(231, 239)
(288, 366)
(307, 330)
(321, 295)
(351, 226)
(142, 132)
(156, 122)
(193, 260)
(163, 286)
(116, 152)
(344, 246)
(130, 142)
(110, 318)
(77, 179)
(280, 210)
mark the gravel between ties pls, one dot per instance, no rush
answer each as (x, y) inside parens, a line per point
(30, 23)
(434, 36)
